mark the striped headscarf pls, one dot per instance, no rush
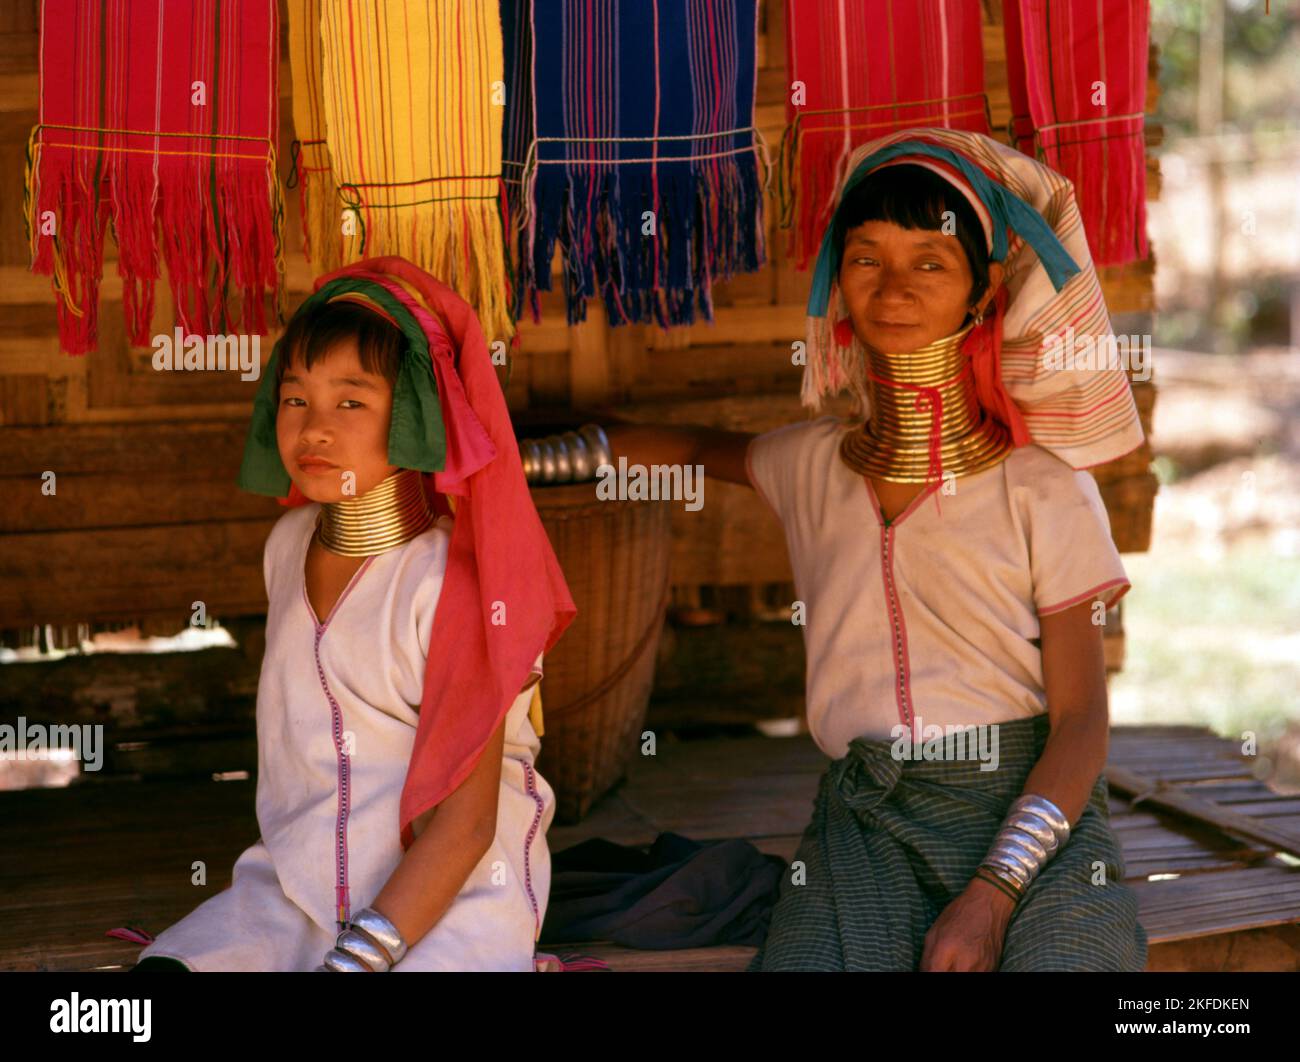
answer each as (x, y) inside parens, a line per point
(412, 94)
(161, 120)
(640, 159)
(1084, 415)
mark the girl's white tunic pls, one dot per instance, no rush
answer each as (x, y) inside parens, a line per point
(337, 708)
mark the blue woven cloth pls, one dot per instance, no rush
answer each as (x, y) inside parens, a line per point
(637, 109)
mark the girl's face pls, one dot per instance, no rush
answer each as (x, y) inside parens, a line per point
(332, 426)
(905, 288)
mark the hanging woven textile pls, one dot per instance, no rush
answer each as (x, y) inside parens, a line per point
(861, 69)
(517, 131)
(413, 96)
(1078, 84)
(320, 206)
(642, 162)
(159, 120)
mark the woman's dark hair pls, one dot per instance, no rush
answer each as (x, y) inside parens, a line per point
(310, 336)
(914, 197)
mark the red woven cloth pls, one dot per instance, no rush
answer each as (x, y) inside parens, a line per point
(500, 562)
(859, 70)
(1078, 82)
(159, 118)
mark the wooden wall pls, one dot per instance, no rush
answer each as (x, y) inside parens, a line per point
(147, 519)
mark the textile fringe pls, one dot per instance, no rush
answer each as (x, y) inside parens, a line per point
(321, 209)
(700, 210)
(809, 174)
(1114, 208)
(152, 204)
(459, 241)
(832, 368)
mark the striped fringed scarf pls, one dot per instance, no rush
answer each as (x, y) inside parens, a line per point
(159, 119)
(1078, 85)
(517, 132)
(320, 206)
(644, 158)
(858, 71)
(413, 97)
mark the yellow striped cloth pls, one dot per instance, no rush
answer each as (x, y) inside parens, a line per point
(412, 97)
(322, 222)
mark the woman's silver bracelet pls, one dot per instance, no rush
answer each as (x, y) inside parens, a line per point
(571, 457)
(1033, 831)
(370, 944)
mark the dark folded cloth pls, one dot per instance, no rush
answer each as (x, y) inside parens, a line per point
(679, 894)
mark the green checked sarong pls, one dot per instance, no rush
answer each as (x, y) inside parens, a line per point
(892, 842)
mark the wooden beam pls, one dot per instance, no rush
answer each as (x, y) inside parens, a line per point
(1159, 794)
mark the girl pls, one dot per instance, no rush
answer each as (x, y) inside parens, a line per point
(947, 279)
(403, 823)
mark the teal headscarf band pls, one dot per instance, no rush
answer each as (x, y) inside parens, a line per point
(1006, 209)
(416, 436)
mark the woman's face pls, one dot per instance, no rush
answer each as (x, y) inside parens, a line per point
(905, 288)
(332, 426)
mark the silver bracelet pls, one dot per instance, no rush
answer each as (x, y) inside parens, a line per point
(1032, 832)
(370, 944)
(572, 457)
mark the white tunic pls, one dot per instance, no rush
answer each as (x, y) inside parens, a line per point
(929, 620)
(337, 708)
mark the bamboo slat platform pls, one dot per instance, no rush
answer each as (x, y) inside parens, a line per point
(81, 861)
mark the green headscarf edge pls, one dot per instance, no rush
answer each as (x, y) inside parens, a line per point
(417, 437)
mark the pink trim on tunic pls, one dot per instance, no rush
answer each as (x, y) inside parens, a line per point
(1088, 595)
(341, 898)
(898, 623)
(531, 785)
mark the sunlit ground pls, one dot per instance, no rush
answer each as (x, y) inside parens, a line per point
(1212, 623)
(1214, 644)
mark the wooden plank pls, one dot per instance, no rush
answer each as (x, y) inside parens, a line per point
(1146, 790)
(721, 959)
(201, 449)
(137, 571)
(1205, 904)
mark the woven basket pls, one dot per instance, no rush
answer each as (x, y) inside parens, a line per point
(598, 678)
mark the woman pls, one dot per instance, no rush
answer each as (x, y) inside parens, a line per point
(949, 268)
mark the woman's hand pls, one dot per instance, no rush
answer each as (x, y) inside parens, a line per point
(968, 934)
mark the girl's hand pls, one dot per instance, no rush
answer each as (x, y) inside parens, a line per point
(968, 934)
